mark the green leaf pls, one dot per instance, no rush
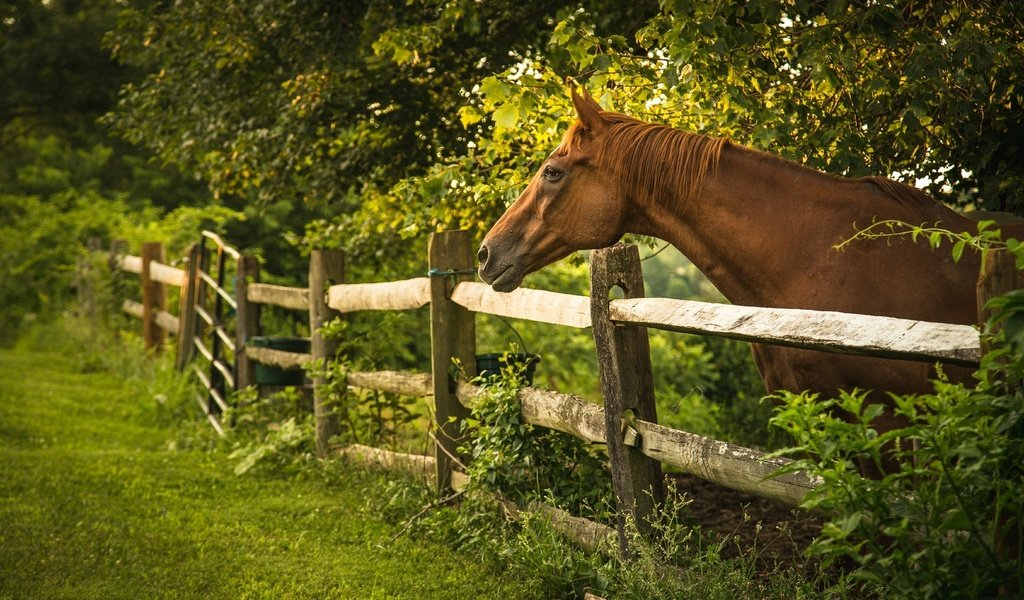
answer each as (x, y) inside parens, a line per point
(506, 116)
(956, 520)
(958, 250)
(468, 115)
(495, 90)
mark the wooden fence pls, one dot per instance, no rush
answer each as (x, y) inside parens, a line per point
(627, 423)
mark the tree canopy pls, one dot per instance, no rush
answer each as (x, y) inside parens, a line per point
(412, 116)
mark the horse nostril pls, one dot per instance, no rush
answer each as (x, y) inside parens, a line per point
(481, 256)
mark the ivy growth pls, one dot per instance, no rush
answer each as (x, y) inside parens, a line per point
(527, 463)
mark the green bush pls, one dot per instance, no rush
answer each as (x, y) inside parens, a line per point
(945, 522)
(526, 462)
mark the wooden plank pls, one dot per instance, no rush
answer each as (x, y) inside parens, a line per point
(397, 382)
(554, 410)
(391, 295)
(998, 276)
(130, 264)
(132, 308)
(415, 464)
(278, 295)
(587, 534)
(277, 358)
(533, 305)
(732, 466)
(452, 337)
(886, 337)
(325, 268)
(627, 384)
(166, 274)
(166, 321)
(720, 462)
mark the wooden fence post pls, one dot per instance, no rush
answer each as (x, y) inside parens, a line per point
(452, 336)
(154, 298)
(326, 267)
(998, 276)
(187, 310)
(247, 319)
(624, 362)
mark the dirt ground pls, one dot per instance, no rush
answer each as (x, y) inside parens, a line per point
(778, 534)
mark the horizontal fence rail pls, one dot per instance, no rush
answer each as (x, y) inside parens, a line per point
(533, 305)
(278, 295)
(844, 333)
(392, 295)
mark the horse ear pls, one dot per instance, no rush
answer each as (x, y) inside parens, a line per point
(588, 110)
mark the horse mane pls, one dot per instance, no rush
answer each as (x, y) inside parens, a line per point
(659, 161)
(907, 194)
(656, 160)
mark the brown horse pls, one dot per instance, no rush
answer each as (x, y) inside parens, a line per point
(761, 228)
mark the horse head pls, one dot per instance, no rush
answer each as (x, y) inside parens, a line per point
(572, 203)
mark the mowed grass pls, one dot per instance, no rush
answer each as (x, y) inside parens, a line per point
(94, 503)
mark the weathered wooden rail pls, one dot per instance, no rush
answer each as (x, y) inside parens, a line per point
(627, 423)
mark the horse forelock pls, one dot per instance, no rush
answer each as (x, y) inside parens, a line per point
(656, 162)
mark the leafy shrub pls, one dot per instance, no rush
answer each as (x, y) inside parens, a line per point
(371, 417)
(272, 432)
(946, 521)
(528, 462)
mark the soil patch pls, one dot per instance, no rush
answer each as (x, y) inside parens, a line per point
(775, 533)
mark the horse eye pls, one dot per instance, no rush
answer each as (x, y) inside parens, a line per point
(552, 174)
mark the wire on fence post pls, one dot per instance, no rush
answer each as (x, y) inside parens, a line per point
(452, 336)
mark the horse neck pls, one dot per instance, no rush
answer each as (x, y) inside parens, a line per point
(761, 225)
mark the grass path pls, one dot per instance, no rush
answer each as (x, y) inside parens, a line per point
(93, 504)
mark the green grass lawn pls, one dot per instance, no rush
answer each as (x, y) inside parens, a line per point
(94, 503)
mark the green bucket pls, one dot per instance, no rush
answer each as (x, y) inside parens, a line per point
(269, 375)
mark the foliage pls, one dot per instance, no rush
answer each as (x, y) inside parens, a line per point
(314, 103)
(854, 89)
(680, 562)
(381, 342)
(43, 239)
(945, 521)
(62, 180)
(52, 68)
(284, 445)
(526, 462)
(988, 237)
(930, 528)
